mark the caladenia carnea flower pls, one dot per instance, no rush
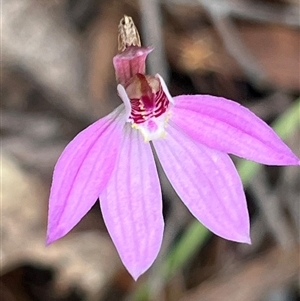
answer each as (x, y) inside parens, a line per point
(192, 136)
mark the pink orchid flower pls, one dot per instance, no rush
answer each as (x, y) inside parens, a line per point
(192, 136)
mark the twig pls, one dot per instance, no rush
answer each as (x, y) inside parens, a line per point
(48, 53)
(177, 217)
(271, 209)
(288, 190)
(250, 281)
(221, 13)
(236, 48)
(152, 35)
(266, 13)
(252, 11)
(271, 106)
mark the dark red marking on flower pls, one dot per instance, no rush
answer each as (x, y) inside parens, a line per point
(151, 103)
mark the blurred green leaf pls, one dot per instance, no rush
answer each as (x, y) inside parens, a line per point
(190, 242)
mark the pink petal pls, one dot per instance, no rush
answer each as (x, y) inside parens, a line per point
(165, 88)
(207, 182)
(123, 95)
(132, 205)
(81, 173)
(229, 127)
(130, 62)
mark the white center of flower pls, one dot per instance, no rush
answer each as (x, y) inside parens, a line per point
(149, 102)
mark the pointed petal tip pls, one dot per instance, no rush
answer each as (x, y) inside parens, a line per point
(135, 275)
(227, 126)
(239, 239)
(54, 234)
(244, 237)
(137, 272)
(246, 240)
(292, 160)
(134, 220)
(237, 236)
(51, 239)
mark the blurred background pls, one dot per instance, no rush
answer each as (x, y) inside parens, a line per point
(57, 77)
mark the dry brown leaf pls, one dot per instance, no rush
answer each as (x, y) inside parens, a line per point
(250, 281)
(86, 260)
(277, 50)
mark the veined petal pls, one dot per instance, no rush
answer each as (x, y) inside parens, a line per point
(130, 62)
(82, 171)
(229, 127)
(123, 95)
(165, 89)
(131, 205)
(208, 184)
